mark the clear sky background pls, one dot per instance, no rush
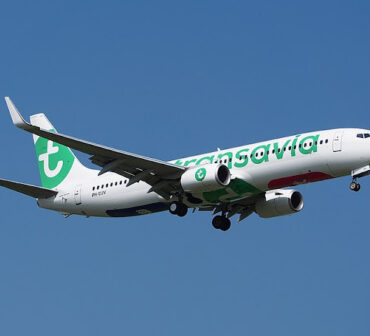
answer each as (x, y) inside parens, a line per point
(169, 79)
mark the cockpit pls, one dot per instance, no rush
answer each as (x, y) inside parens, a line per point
(363, 135)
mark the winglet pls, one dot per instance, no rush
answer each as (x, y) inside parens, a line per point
(16, 116)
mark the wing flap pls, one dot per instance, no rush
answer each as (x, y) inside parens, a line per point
(28, 189)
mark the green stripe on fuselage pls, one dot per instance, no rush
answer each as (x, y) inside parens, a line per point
(239, 188)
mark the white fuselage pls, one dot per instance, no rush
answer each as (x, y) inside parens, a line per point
(259, 167)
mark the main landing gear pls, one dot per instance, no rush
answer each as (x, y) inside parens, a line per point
(178, 208)
(221, 223)
(355, 186)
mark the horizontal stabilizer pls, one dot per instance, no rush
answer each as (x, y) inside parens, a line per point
(28, 189)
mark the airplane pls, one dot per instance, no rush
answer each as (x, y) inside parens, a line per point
(236, 181)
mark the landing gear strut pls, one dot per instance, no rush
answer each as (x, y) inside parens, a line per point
(178, 208)
(355, 186)
(221, 223)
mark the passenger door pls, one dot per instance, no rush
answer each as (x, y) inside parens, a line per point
(337, 141)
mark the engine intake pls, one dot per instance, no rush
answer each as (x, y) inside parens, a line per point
(279, 203)
(205, 178)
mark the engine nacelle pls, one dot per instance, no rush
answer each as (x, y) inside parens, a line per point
(207, 177)
(279, 203)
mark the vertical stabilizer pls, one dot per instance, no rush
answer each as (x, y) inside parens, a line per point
(57, 163)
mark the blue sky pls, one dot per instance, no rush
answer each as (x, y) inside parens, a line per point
(169, 79)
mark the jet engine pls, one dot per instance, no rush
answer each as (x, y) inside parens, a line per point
(279, 203)
(207, 177)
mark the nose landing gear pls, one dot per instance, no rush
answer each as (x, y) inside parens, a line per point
(355, 186)
(356, 173)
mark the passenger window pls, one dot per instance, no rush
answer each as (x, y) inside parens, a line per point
(111, 184)
(102, 186)
(290, 147)
(97, 188)
(93, 188)
(326, 141)
(116, 183)
(321, 142)
(120, 182)
(107, 185)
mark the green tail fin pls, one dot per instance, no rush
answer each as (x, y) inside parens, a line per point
(57, 163)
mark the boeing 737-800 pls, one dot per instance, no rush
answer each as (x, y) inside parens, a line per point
(236, 181)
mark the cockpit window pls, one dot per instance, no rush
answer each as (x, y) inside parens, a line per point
(360, 135)
(367, 135)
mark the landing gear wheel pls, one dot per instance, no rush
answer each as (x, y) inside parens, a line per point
(221, 223)
(174, 206)
(183, 210)
(217, 222)
(226, 225)
(178, 208)
(354, 186)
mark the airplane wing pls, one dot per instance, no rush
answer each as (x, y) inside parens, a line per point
(28, 189)
(161, 175)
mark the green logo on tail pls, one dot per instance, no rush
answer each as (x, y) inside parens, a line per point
(55, 161)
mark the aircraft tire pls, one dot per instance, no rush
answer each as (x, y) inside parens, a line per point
(217, 222)
(353, 186)
(178, 208)
(182, 211)
(174, 208)
(221, 223)
(226, 224)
